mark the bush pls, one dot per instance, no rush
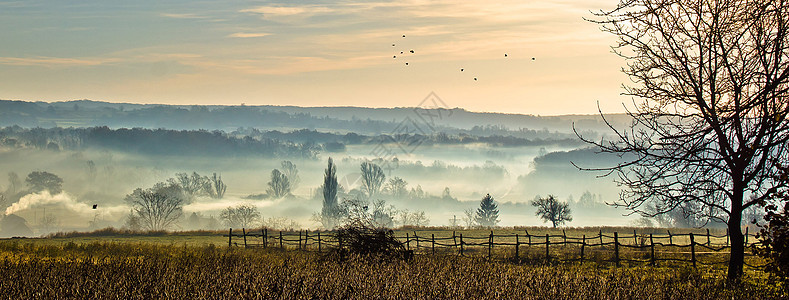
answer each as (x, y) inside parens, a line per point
(359, 239)
(774, 242)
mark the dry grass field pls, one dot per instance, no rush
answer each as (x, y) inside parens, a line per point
(201, 266)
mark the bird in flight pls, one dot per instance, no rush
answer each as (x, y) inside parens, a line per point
(461, 69)
(412, 50)
(404, 35)
(533, 58)
(475, 78)
(406, 64)
(95, 205)
(394, 56)
(505, 54)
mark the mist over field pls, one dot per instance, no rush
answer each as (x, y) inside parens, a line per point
(104, 151)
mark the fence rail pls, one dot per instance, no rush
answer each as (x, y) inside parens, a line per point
(645, 248)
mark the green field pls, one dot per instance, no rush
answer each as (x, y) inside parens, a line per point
(201, 265)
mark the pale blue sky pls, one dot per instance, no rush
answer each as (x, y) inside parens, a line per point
(312, 53)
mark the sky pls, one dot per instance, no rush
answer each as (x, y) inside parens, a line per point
(313, 53)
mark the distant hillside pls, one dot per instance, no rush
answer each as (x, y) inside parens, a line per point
(86, 113)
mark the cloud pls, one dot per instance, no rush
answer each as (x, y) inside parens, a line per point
(288, 10)
(248, 34)
(55, 61)
(181, 16)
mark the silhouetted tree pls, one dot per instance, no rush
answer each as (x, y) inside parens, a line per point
(710, 83)
(40, 181)
(13, 182)
(279, 186)
(551, 210)
(487, 213)
(91, 170)
(397, 187)
(290, 171)
(193, 185)
(330, 213)
(468, 218)
(372, 178)
(216, 187)
(415, 218)
(241, 216)
(156, 208)
(446, 195)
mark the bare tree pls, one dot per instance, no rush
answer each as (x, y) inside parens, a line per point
(156, 208)
(383, 215)
(279, 186)
(468, 218)
(193, 185)
(550, 209)
(372, 178)
(241, 216)
(397, 187)
(216, 187)
(710, 104)
(290, 171)
(415, 218)
(49, 222)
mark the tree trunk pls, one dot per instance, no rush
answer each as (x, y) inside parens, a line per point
(737, 250)
(737, 255)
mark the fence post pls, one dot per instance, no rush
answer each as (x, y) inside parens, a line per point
(454, 239)
(319, 241)
(529, 237)
(299, 239)
(263, 236)
(652, 248)
(564, 239)
(670, 238)
(407, 242)
(306, 238)
(280, 240)
(583, 244)
(616, 248)
(601, 239)
(490, 244)
(230, 238)
(416, 237)
(692, 250)
(635, 238)
(727, 237)
(461, 244)
(746, 236)
(708, 237)
(547, 246)
(244, 234)
(433, 243)
(517, 242)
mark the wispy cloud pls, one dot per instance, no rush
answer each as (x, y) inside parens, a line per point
(248, 34)
(288, 10)
(55, 61)
(182, 16)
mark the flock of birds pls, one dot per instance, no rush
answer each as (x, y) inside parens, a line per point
(412, 52)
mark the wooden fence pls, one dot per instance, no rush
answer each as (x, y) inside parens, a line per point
(644, 248)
